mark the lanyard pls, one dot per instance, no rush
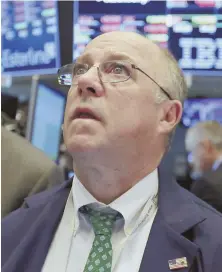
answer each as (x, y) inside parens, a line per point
(147, 213)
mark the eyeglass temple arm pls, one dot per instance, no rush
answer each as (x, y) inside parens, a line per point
(135, 67)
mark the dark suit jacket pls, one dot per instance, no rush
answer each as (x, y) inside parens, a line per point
(184, 226)
(209, 188)
(25, 171)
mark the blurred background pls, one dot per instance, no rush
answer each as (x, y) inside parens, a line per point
(40, 36)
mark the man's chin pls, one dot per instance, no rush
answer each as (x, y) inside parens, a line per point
(82, 144)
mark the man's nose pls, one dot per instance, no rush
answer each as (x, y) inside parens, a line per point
(89, 84)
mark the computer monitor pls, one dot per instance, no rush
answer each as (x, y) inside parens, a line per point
(195, 35)
(30, 37)
(47, 120)
(92, 18)
(191, 30)
(201, 109)
(35, 37)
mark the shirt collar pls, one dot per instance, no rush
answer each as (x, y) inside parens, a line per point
(217, 163)
(134, 205)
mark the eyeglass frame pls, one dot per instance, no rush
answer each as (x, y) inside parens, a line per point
(134, 67)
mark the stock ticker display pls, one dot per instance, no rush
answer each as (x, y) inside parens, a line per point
(192, 30)
(195, 34)
(29, 37)
(92, 18)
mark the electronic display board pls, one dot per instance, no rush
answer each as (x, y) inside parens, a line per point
(30, 37)
(92, 18)
(195, 35)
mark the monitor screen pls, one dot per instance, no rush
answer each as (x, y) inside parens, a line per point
(191, 30)
(199, 110)
(30, 37)
(195, 35)
(92, 18)
(47, 120)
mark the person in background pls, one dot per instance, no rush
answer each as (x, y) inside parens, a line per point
(122, 211)
(204, 142)
(25, 171)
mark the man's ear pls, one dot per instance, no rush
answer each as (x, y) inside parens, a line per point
(171, 112)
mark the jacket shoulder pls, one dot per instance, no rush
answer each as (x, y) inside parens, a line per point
(36, 201)
(39, 212)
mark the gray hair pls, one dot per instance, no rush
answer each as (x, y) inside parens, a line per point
(209, 130)
(174, 82)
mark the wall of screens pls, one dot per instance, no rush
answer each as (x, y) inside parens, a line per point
(195, 31)
(92, 18)
(30, 37)
(192, 30)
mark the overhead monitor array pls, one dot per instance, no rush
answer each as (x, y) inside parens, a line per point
(32, 42)
(192, 30)
(195, 35)
(92, 18)
(30, 37)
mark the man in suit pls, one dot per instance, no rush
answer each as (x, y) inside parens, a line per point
(204, 141)
(121, 211)
(25, 171)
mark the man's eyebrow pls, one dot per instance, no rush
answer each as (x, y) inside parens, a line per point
(85, 57)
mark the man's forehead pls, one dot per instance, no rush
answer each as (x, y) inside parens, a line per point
(107, 54)
(129, 44)
(130, 39)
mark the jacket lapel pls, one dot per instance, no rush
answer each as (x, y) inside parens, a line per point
(165, 244)
(31, 252)
(177, 215)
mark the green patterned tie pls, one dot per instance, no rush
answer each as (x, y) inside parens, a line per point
(100, 256)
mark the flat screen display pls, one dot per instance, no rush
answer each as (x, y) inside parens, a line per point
(191, 30)
(92, 18)
(199, 110)
(195, 35)
(30, 37)
(47, 120)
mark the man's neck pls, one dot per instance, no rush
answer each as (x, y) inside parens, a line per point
(108, 180)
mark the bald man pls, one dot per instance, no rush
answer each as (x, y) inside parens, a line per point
(122, 211)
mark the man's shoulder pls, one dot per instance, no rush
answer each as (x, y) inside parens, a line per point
(36, 203)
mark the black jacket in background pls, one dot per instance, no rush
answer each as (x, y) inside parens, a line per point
(209, 188)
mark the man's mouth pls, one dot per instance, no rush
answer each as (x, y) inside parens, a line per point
(85, 113)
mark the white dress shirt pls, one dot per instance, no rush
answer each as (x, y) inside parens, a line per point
(74, 237)
(217, 163)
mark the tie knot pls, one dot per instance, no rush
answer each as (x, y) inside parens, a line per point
(102, 222)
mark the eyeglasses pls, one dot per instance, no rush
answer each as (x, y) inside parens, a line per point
(110, 71)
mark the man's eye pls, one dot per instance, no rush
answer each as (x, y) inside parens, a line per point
(79, 71)
(118, 69)
(115, 68)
